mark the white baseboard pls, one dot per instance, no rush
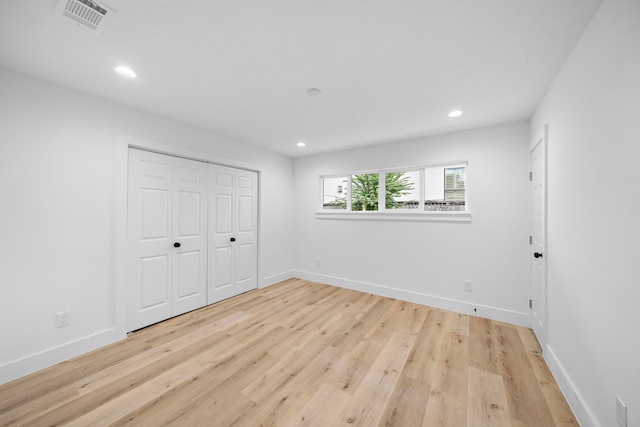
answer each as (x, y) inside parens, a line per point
(277, 278)
(578, 405)
(37, 361)
(488, 312)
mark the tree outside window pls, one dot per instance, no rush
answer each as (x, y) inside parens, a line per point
(364, 192)
(364, 189)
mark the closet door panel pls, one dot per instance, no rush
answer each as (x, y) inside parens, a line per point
(233, 235)
(149, 245)
(247, 230)
(167, 244)
(222, 223)
(190, 186)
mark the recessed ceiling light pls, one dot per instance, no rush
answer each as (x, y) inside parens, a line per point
(314, 92)
(455, 113)
(125, 71)
(301, 144)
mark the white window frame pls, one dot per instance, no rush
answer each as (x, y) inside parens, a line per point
(395, 214)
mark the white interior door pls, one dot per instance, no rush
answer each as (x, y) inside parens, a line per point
(189, 278)
(221, 229)
(246, 248)
(538, 253)
(167, 246)
(232, 232)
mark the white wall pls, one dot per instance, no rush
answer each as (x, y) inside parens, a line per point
(58, 181)
(428, 262)
(592, 110)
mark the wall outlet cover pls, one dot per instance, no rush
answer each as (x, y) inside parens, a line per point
(62, 319)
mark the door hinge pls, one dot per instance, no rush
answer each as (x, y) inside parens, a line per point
(531, 240)
(530, 176)
(530, 303)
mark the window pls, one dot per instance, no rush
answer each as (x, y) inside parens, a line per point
(454, 184)
(445, 188)
(364, 191)
(438, 190)
(334, 193)
(402, 190)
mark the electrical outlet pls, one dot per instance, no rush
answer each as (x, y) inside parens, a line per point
(62, 319)
(621, 412)
(317, 262)
(468, 287)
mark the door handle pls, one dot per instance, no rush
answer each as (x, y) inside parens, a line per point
(233, 239)
(176, 245)
(537, 254)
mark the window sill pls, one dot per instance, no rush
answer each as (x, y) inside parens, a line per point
(464, 217)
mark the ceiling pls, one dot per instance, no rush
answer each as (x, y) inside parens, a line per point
(388, 69)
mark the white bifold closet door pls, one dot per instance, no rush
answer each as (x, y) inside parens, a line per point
(233, 251)
(167, 223)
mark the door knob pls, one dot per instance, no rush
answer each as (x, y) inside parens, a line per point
(233, 239)
(537, 255)
(176, 245)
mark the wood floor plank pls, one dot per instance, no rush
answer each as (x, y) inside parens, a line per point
(321, 408)
(447, 406)
(295, 393)
(529, 341)
(301, 353)
(367, 405)
(299, 317)
(526, 400)
(560, 410)
(407, 404)
(369, 310)
(350, 367)
(458, 323)
(401, 316)
(422, 360)
(487, 401)
(483, 345)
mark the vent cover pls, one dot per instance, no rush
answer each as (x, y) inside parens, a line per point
(89, 13)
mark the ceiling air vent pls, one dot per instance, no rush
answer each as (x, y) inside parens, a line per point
(89, 13)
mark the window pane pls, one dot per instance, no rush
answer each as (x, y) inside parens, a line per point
(334, 193)
(402, 190)
(364, 192)
(454, 183)
(445, 188)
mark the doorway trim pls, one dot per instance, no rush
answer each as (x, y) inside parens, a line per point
(541, 138)
(123, 143)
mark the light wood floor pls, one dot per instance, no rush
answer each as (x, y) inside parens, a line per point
(297, 354)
